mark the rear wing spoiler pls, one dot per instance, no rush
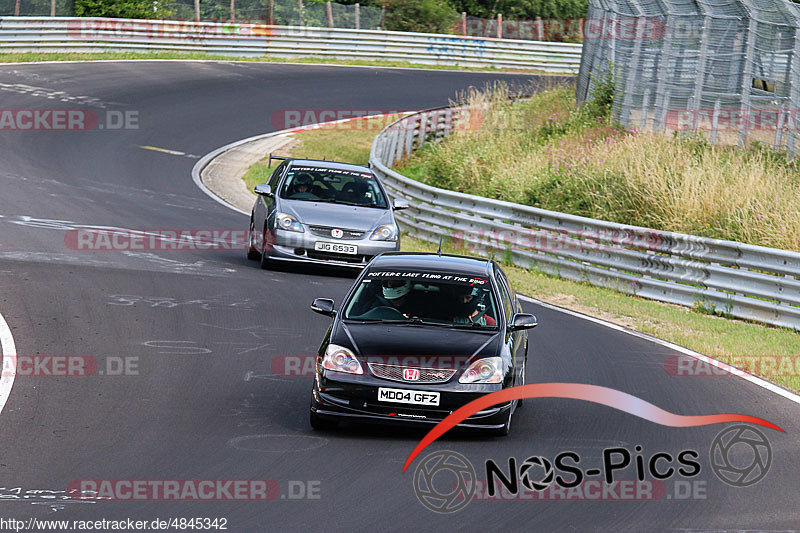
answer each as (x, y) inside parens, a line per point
(277, 158)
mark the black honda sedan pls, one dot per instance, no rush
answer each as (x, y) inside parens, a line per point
(418, 336)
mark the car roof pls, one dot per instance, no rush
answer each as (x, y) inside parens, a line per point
(327, 164)
(425, 261)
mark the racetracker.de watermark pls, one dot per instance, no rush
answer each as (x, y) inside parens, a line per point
(733, 119)
(67, 120)
(334, 119)
(768, 366)
(119, 239)
(193, 489)
(69, 366)
(481, 241)
(305, 365)
(188, 30)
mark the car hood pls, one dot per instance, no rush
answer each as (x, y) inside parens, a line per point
(336, 215)
(377, 341)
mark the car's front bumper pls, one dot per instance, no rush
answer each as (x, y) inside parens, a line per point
(294, 246)
(356, 398)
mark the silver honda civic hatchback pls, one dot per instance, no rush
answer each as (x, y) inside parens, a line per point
(323, 212)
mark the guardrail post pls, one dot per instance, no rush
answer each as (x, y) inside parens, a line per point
(409, 140)
(300, 12)
(196, 10)
(499, 25)
(52, 8)
(539, 29)
(330, 13)
(233, 10)
(423, 128)
(448, 121)
(16, 8)
(358, 16)
(464, 23)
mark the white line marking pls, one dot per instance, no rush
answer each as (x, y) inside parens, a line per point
(777, 389)
(10, 353)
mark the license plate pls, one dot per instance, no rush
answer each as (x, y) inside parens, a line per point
(336, 247)
(416, 397)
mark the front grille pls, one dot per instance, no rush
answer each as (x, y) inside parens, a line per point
(426, 375)
(325, 231)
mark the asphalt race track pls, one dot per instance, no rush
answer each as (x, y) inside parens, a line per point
(204, 327)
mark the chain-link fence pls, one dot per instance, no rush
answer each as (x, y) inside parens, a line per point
(280, 12)
(727, 69)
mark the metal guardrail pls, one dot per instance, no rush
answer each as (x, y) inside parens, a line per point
(90, 35)
(744, 281)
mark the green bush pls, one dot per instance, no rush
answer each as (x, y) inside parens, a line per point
(134, 9)
(427, 16)
(523, 9)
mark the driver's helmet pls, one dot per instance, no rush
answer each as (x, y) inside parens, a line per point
(302, 180)
(395, 288)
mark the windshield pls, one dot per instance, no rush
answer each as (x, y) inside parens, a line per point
(431, 298)
(333, 185)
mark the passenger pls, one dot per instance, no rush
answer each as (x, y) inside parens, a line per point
(469, 308)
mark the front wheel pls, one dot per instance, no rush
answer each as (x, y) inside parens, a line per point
(252, 252)
(266, 262)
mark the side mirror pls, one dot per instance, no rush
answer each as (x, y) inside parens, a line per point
(264, 189)
(399, 204)
(323, 306)
(522, 321)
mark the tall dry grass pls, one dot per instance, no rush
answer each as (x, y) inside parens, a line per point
(548, 153)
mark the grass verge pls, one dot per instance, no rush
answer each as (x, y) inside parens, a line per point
(717, 337)
(349, 141)
(546, 152)
(37, 57)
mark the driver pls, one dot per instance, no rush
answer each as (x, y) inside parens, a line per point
(301, 187)
(397, 293)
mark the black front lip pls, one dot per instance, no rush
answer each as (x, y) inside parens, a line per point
(358, 399)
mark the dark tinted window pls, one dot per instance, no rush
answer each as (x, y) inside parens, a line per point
(437, 298)
(334, 186)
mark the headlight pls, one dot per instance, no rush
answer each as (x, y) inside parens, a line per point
(487, 370)
(288, 222)
(341, 359)
(387, 232)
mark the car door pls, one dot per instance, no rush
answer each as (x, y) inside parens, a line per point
(266, 204)
(516, 340)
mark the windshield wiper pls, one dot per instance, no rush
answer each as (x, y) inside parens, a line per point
(472, 325)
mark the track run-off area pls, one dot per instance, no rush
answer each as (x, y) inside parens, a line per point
(187, 346)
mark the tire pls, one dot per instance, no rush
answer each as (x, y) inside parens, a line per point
(252, 253)
(266, 262)
(321, 424)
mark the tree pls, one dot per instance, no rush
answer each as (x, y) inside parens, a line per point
(523, 9)
(134, 9)
(427, 16)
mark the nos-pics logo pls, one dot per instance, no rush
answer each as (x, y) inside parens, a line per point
(446, 482)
